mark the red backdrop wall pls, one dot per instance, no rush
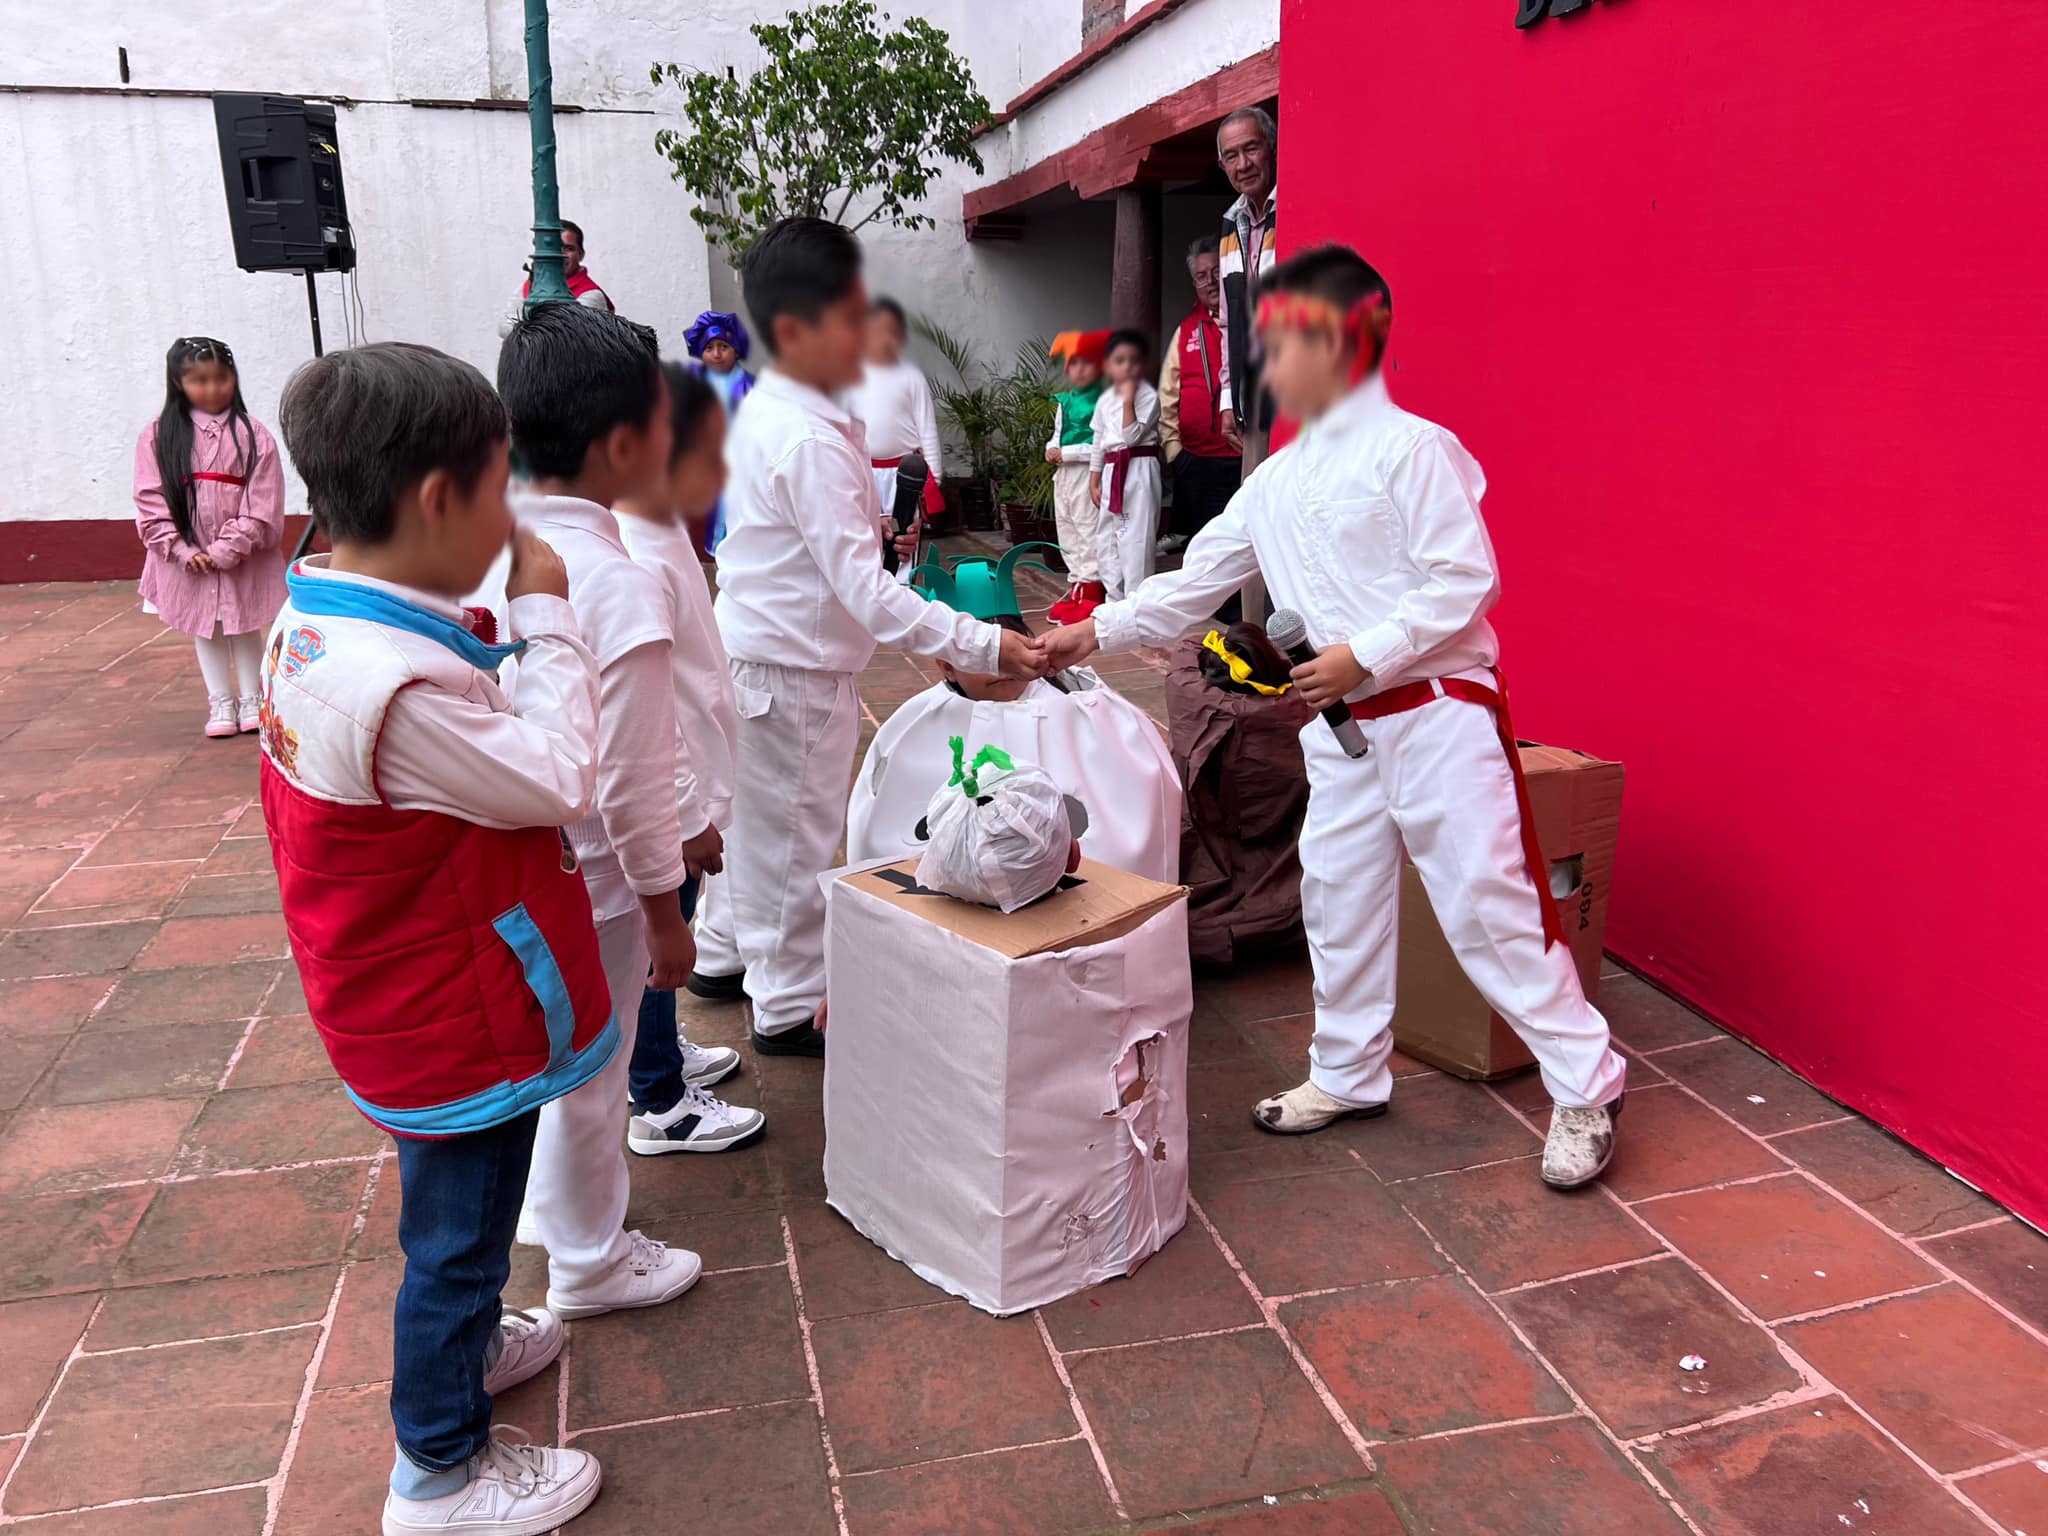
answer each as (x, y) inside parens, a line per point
(1744, 308)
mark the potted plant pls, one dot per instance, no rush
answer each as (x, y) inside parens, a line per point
(1025, 423)
(972, 408)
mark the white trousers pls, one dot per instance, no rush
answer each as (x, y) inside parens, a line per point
(1075, 517)
(1437, 781)
(791, 775)
(718, 951)
(576, 1194)
(1124, 544)
(244, 653)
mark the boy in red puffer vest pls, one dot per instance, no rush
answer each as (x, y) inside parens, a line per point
(444, 941)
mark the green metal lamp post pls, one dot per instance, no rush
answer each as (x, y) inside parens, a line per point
(549, 286)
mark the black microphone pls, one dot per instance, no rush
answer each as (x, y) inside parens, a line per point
(1289, 633)
(911, 474)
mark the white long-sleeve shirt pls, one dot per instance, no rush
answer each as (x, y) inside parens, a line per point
(893, 401)
(1368, 525)
(457, 755)
(800, 578)
(1111, 431)
(631, 844)
(707, 721)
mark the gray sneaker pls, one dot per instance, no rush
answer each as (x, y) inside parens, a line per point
(698, 1123)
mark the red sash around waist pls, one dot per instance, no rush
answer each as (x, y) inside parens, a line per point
(1119, 460)
(1398, 701)
(207, 474)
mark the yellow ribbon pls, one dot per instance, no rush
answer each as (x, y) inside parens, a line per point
(1240, 669)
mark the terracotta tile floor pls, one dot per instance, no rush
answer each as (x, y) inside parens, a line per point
(1391, 1328)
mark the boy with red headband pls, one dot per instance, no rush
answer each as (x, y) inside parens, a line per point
(1368, 525)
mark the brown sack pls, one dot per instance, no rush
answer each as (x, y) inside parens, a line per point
(1240, 757)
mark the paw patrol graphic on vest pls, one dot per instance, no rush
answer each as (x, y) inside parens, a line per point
(302, 648)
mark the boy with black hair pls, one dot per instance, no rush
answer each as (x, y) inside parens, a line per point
(893, 401)
(1126, 455)
(590, 424)
(447, 957)
(1368, 525)
(802, 602)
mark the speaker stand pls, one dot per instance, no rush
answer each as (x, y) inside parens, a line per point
(313, 313)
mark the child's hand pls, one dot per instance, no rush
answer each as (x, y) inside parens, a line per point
(1069, 645)
(1334, 673)
(671, 947)
(199, 560)
(1128, 390)
(1231, 434)
(1095, 489)
(1053, 456)
(907, 542)
(704, 854)
(1021, 658)
(536, 569)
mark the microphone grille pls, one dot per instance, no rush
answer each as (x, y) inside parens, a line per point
(914, 468)
(1286, 629)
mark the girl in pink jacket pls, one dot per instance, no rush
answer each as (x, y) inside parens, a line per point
(209, 503)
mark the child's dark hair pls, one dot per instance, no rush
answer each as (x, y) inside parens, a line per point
(568, 374)
(174, 427)
(691, 402)
(797, 268)
(367, 425)
(888, 306)
(1340, 276)
(1128, 338)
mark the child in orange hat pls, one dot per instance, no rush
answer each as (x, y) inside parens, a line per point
(1070, 448)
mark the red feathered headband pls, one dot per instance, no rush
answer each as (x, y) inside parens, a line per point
(1312, 312)
(1089, 346)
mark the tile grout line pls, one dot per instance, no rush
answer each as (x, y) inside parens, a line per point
(1799, 1363)
(273, 1498)
(1074, 1405)
(43, 1408)
(1174, 1338)
(1480, 1429)
(164, 1180)
(1790, 1170)
(1972, 1226)
(1792, 1397)
(1797, 1130)
(1270, 1311)
(1571, 1392)
(2038, 1456)
(803, 1328)
(29, 1522)
(940, 1461)
(1658, 1257)
(670, 1418)
(1851, 1306)
(203, 1338)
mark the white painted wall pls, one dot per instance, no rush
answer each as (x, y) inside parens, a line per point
(113, 228)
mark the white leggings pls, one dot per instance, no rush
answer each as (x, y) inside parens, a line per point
(245, 651)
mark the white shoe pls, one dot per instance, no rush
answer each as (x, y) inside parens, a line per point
(708, 1066)
(650, 1274)
(1580, 1144)
(249, 715)
(531, 1340)
(520, 1489)
(698, 1123)
(1307, 1108)
(220, 719)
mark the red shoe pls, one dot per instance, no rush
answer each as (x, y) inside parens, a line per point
(1069, 609)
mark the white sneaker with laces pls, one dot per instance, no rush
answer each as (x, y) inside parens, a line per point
(520, 1489)
(698, 1123)
(220, 719)
(530, 1342)
(708, 1065)
(650, 1274)
(249, 715)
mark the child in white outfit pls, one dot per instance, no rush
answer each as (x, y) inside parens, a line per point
(1124, 480)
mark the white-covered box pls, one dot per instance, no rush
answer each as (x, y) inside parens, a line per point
(1006, 1095)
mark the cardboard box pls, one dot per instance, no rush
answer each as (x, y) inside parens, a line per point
(1006, 1095)
(1438, 1016)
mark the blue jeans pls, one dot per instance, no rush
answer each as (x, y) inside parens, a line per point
(655, 1080)
(458, 1208)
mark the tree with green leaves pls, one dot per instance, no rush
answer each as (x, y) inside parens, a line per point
(851, 118)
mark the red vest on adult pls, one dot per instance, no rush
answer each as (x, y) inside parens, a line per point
(1200, 345)
(451, 969)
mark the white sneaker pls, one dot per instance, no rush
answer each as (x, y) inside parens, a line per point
(650, 1274)
(249, 715)
(698, 1123)
(708, 1066)
(220, 719)
(520, 1489)
(531, 1340)
(1580, 1144)
(1307, 1108)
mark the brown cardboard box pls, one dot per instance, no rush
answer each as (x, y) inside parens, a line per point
(1438, 1017)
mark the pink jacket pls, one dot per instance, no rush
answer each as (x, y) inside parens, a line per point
(239, 526)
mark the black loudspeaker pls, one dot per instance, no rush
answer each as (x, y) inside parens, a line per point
(282, 169)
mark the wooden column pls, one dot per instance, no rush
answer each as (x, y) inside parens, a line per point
(1134, 272)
